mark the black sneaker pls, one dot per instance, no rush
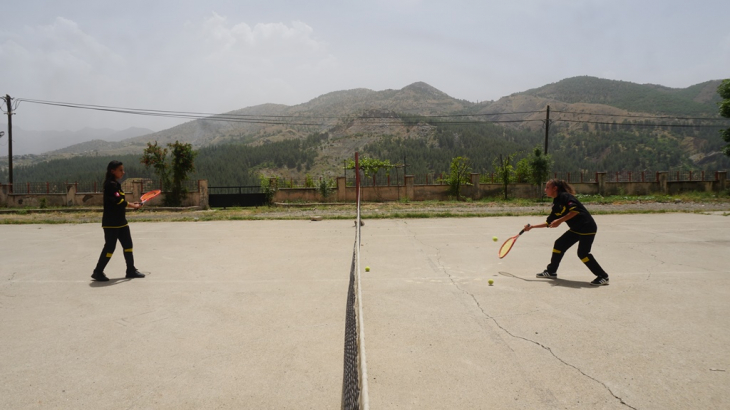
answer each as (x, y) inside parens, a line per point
(99, 277)
(600, 281)
(134, 274)
(546, 274)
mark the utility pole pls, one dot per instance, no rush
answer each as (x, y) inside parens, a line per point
(10, 142)
(547, 128)
(405, 169)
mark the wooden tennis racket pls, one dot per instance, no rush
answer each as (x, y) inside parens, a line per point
(149, 195)
(507, 245)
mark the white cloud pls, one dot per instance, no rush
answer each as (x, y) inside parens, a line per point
(259, 61)
(263, 39)
(143, 55)
(210, 66)
(51, 61)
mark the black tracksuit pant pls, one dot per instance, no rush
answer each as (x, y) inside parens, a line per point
(111, 236)
(585, 241)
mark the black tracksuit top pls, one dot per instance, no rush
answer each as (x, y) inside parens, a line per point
(115, 206)
(581, 223)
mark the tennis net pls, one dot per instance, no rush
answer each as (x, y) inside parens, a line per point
(354, 379)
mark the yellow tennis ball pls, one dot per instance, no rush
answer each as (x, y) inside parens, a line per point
(490, 282)
(367, 269)
(494, 238)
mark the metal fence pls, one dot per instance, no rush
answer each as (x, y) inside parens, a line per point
(39, 188)
(232, 190)
(311, 182)
(384, 177)
(632, 176)
(189, 185)
(693, 176)
(88, 187)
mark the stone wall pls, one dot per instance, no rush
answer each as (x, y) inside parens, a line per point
(409, 192)
(413, 192)
(85, 199)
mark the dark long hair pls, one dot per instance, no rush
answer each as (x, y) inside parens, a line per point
(562, 185)
(109, 168)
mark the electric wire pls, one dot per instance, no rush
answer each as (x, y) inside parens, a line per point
(641, 116)
(386, 120)
(641, 124)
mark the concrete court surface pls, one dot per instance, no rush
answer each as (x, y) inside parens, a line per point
(250, 314)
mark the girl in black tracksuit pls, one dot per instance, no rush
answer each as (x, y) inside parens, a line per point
(114, 222)
(566, 208)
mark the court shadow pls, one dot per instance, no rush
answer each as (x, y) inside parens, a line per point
(111, 282)
(566, 283)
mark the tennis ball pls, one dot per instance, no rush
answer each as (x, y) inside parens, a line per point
(494, 238)
(367, 269)
(491, 282)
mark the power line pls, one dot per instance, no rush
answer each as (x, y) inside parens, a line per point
(642, 116)
(390, 119)
(642, 124)
(187, 114)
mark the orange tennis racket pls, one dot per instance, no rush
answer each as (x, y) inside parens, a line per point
(507, 245)
(149, 195)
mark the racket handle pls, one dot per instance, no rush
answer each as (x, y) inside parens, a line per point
(523, 231)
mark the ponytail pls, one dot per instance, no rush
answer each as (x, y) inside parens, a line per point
(562, 185)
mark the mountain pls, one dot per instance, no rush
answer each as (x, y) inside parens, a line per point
(697, 100)
(40, 142)
(586, 97)
(595, 124)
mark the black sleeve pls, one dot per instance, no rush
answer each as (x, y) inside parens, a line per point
(559, 210)
(114, 196)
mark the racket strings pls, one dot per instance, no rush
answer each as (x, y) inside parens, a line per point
(506, 246)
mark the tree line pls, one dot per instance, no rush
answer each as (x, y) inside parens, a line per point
(604, 147)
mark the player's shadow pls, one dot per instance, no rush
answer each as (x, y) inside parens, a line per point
(111, 282)
(566, 283)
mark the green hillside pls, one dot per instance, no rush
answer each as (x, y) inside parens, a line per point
(697, 100)
(428, 128)
(609, 148)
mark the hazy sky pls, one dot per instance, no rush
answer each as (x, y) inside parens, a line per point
(219, 55)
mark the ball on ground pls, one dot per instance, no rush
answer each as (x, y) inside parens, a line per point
(367, 269)
(491, 282)
(494, 238)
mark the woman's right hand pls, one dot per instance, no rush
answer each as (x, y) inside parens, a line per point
(527, 227)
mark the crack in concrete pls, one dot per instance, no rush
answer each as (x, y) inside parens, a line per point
(549, 350)
(493, 319)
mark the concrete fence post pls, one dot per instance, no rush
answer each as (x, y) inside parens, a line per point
(70, 194)
(203, 194)
(410, 188)
(4, 195)
(136, 191)
(721, 181)
(476, 192)
(341, 189)
(601, 181)
(663, 180)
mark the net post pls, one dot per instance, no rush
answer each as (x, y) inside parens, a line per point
(357, 177)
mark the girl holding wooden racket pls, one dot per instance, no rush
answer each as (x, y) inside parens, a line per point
(566, 208)
(114, 222)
